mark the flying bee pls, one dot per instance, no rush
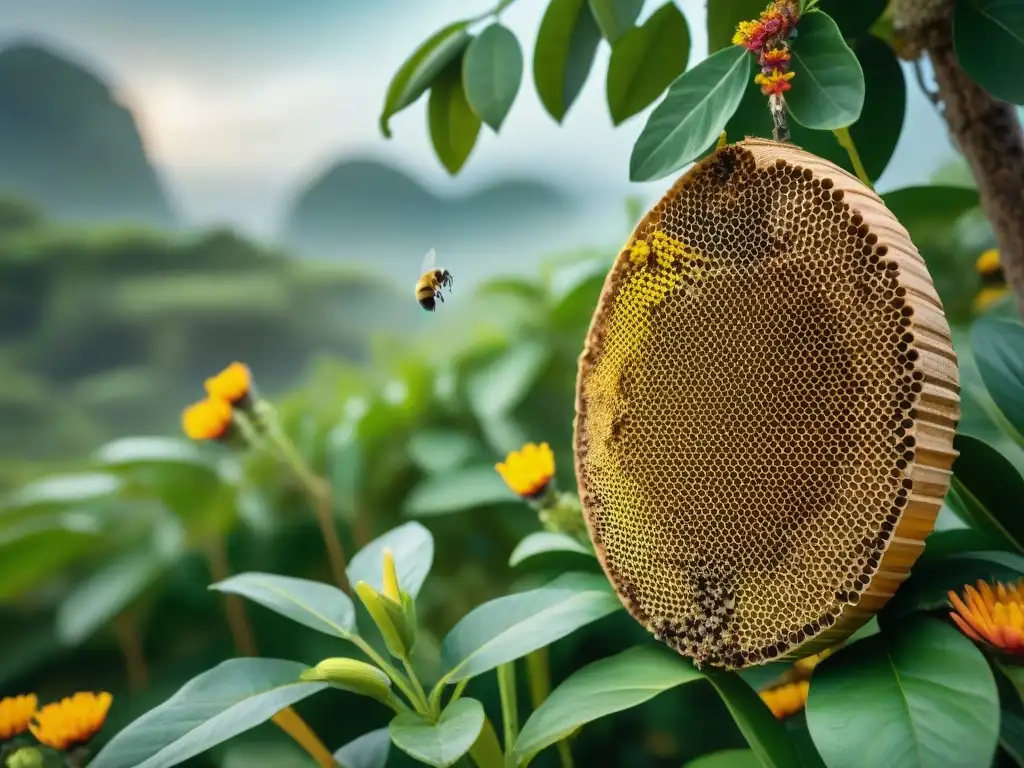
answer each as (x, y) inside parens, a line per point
(431, 283)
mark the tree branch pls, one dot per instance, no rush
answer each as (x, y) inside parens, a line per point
(984, 129)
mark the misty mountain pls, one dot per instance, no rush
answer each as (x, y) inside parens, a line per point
(68, 146)
(368, 211)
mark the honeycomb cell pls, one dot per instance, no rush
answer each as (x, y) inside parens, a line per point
(754, 477)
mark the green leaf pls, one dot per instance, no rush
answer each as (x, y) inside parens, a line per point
(419, 71)
(441, 450)
(512, 626)
(922, 209)
(443, 743)
(957, 541)
(454, 125)
(991, 489)
(411, 545)
(600, 689)
(988, 36)
(474, 486)
(41, 553)
(922, 696)
(111, 589)
(828, 90)
(645, 60)
(367, 751)
(998, 346)
(313, 604)
(929, 584)
(691, 116)
(60, 492)
(725, 15)
(564, 53)
(854, 19)
(542, 542)
(1011, 735)
(727, 758)
(498, 388)
(766, 736)
(219, 704)
(486, 750)
(128, 451)
(615, 17)
(878, 130)
(491, 73)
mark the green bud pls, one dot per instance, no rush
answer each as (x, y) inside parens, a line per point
(351, 675)
(26, 757)
(561, 513)
(390, 619)
(409, 614)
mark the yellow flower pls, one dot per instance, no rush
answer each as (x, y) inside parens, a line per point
(992, 617)
(233, 384)
(775, 82)
(208, 419)
(71, 721)
(15, 714)
(529, 471)
(988, 296)
(988, 262)
(786, 700)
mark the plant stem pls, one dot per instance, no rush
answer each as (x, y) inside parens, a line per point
(396, 677)
(128, 637)
(846, 142)
(421, 694)
(564, 753)
(319, 492)
(288, 720)
(538, 672)
(509, 706)
(234, 608)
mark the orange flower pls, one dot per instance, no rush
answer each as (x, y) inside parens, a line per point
(776, 58)
(992, 617)
(208, 419)
(233, 384)
(529, 471)
(776, 82)
(71, 721)
(786, 700)
(15, 714)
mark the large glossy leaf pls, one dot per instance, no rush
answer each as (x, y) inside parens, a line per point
(492, 72)
(615, 17)
(601, 689)
(854, 19)
(368, 751)
(878, 130)
(991, 489)
(766, 736)
(828, 90)
(510, 627)
(473, 486)
(439, 744)
(645, 60)
(313, 604)
(229, 699)
(929, 583)
(989, 39)
(1011, 735)
(998, 346)
(419, 71)
(564, 53)
(542, 542)
(454, 126)
(691, 116)
(727, 758)
(920, 697)
(723, 18)
(922, 209)
(411, 545)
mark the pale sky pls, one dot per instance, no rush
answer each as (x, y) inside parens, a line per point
(242, 101)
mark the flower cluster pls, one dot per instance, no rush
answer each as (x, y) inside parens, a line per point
(213, 418)
(768, 38)
(992, 617)
(63, 725)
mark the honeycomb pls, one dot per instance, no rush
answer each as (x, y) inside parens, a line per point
(766, 405)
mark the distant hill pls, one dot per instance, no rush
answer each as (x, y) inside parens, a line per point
(68, 147)
(366, 210)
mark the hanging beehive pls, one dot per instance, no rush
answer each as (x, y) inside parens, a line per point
(766, 406)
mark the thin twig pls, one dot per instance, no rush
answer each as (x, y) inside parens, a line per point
(234, 608)
(288, 720)
(780, 122)
(128, 637)
(932, 96)
(847, 143)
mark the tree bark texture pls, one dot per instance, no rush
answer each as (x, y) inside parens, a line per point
(985, 130)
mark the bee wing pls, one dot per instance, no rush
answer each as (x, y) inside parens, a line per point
(428, 261)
